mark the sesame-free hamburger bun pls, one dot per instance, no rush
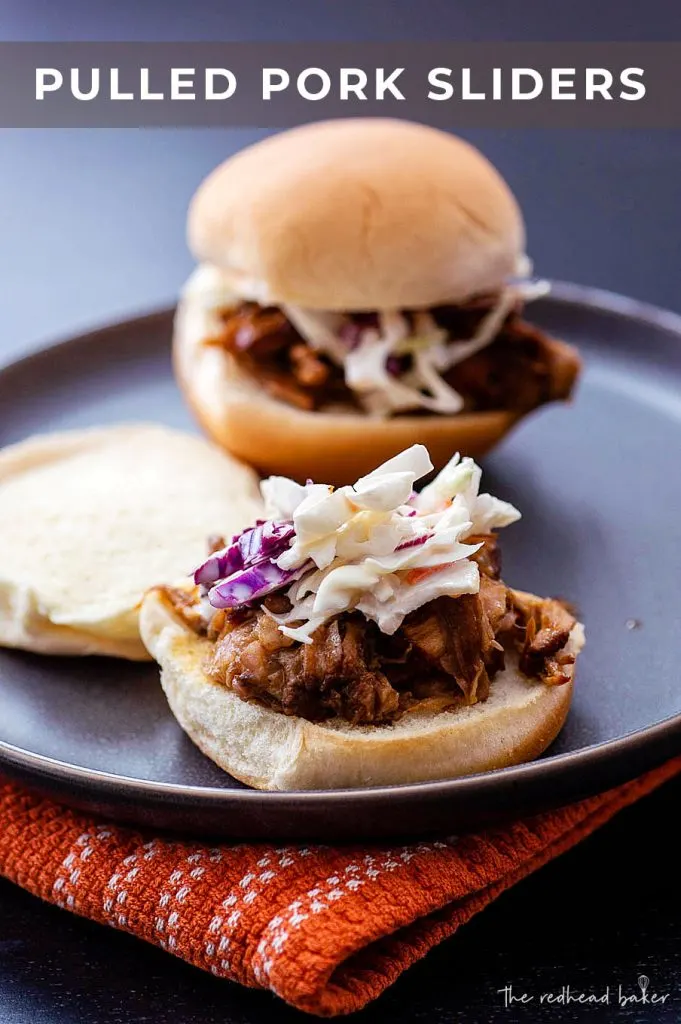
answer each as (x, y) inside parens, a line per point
(359, 214)
(345, 216)
(89, 519)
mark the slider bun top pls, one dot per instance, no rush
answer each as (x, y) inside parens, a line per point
(359, 214)
(89, 519)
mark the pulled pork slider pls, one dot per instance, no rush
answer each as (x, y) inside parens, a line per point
(364, 636)
(360, 287)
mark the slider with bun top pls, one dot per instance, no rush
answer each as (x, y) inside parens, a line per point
(360, 286)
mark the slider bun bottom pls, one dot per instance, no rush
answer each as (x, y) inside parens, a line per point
(269, 750)
(329, 447)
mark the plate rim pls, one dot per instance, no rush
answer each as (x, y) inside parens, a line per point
(547, 769)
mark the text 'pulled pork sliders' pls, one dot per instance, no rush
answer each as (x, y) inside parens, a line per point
(360, 287)
(364, 635)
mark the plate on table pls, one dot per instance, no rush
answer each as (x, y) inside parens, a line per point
(599, 487)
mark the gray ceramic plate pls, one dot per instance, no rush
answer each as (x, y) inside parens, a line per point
(600, 489)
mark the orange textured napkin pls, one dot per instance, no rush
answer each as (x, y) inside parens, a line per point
(327, 929)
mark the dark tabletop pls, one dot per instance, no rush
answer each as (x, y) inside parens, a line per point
(92, 230)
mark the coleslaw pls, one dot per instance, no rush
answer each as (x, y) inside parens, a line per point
(376, 547)
(398, 363)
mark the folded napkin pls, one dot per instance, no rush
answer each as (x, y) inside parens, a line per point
(327, 929)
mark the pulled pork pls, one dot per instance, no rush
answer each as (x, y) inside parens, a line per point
(547, 628)
(519, 370)
(444, 655)
(267, 346)
(338, 674)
